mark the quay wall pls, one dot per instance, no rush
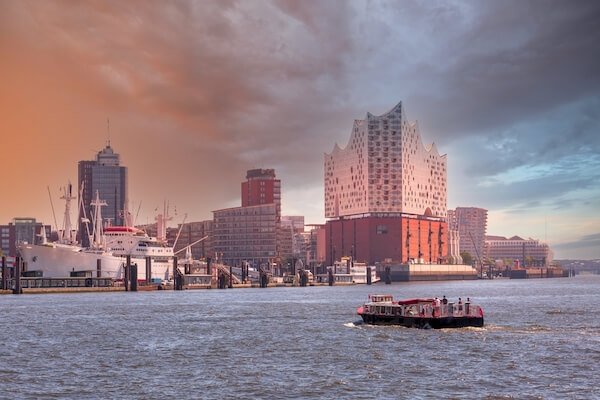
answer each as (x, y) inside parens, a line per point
(428, 272)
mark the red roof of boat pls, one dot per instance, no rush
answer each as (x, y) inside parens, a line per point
(415, 301)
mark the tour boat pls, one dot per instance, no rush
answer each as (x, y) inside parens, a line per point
(419, 313)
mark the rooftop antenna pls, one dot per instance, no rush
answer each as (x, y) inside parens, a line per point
(108, 131)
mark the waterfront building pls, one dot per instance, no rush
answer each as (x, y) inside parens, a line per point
(190, 233)
(314, 245)
(106, 176)
(251, 233)
(21, 230)
(261, 187)
(5, 239)
(385, 194)
(471, 224)
(246, 234)
(290, 238)
(528, 252)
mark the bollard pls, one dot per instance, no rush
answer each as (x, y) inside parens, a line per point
(230, 277)
(148, 269)
(178, 280)
(98, 268)
(221, 281)
(17, 287)
(133, 275)
(303, 278)
(388, 275)
(243, 273)
(330, 277)
(177, 276)
(126, 277)
(263, 279)
(208, 270)
(369, 275)
(4, 274)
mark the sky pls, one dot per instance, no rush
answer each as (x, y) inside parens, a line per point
(198, 92)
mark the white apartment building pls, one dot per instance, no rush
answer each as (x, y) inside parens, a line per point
(471, 224)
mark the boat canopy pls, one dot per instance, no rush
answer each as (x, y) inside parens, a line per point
(415, 301)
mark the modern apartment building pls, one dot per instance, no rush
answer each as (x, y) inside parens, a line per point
(385, 194)
(251, 233)
(471, 224)
(189, 234)
(290, 236)
(106, 176)
(21, 230)
(246, 234)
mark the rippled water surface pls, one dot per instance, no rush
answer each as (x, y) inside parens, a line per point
(541, 341)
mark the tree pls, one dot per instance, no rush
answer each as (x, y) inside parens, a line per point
(467, 257)
(529, 261)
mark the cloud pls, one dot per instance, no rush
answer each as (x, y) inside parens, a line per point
(585, 242)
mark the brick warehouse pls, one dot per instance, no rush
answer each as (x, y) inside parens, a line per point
(395, 238)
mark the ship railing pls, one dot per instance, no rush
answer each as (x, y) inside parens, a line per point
(460, 310)
(63, 282)
(424, 310)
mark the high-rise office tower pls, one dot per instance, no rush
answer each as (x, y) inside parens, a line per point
(106, 176)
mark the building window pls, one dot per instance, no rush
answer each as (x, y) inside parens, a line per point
(382, 229)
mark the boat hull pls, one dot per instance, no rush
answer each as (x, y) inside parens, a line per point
(60, 261)
(423, 322)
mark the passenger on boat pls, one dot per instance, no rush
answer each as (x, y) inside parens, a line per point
(436, 307)
(460, 305)
(468, 305)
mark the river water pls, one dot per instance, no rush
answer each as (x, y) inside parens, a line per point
(541, 340)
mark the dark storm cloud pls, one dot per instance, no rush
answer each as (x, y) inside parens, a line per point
(514, 60)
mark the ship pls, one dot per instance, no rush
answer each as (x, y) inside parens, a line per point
(423, 313)
(107, 255)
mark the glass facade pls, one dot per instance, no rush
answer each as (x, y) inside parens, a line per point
(246, 234)
(106, 176)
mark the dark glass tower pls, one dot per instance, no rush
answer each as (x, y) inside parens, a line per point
(106, 176)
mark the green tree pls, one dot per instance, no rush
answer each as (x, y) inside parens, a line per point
(467, 257)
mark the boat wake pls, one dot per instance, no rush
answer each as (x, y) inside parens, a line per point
(353, 324)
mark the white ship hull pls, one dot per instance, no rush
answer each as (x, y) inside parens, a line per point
(59, 260)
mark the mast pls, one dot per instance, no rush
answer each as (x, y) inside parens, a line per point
(84, 218)
(161, 223)
(67, 234)
(97, 233)
(52, 205)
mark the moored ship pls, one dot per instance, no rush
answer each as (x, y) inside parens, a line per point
(107, 254)
(419, 313)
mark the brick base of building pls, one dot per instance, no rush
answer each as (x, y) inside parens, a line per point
(400, 239)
